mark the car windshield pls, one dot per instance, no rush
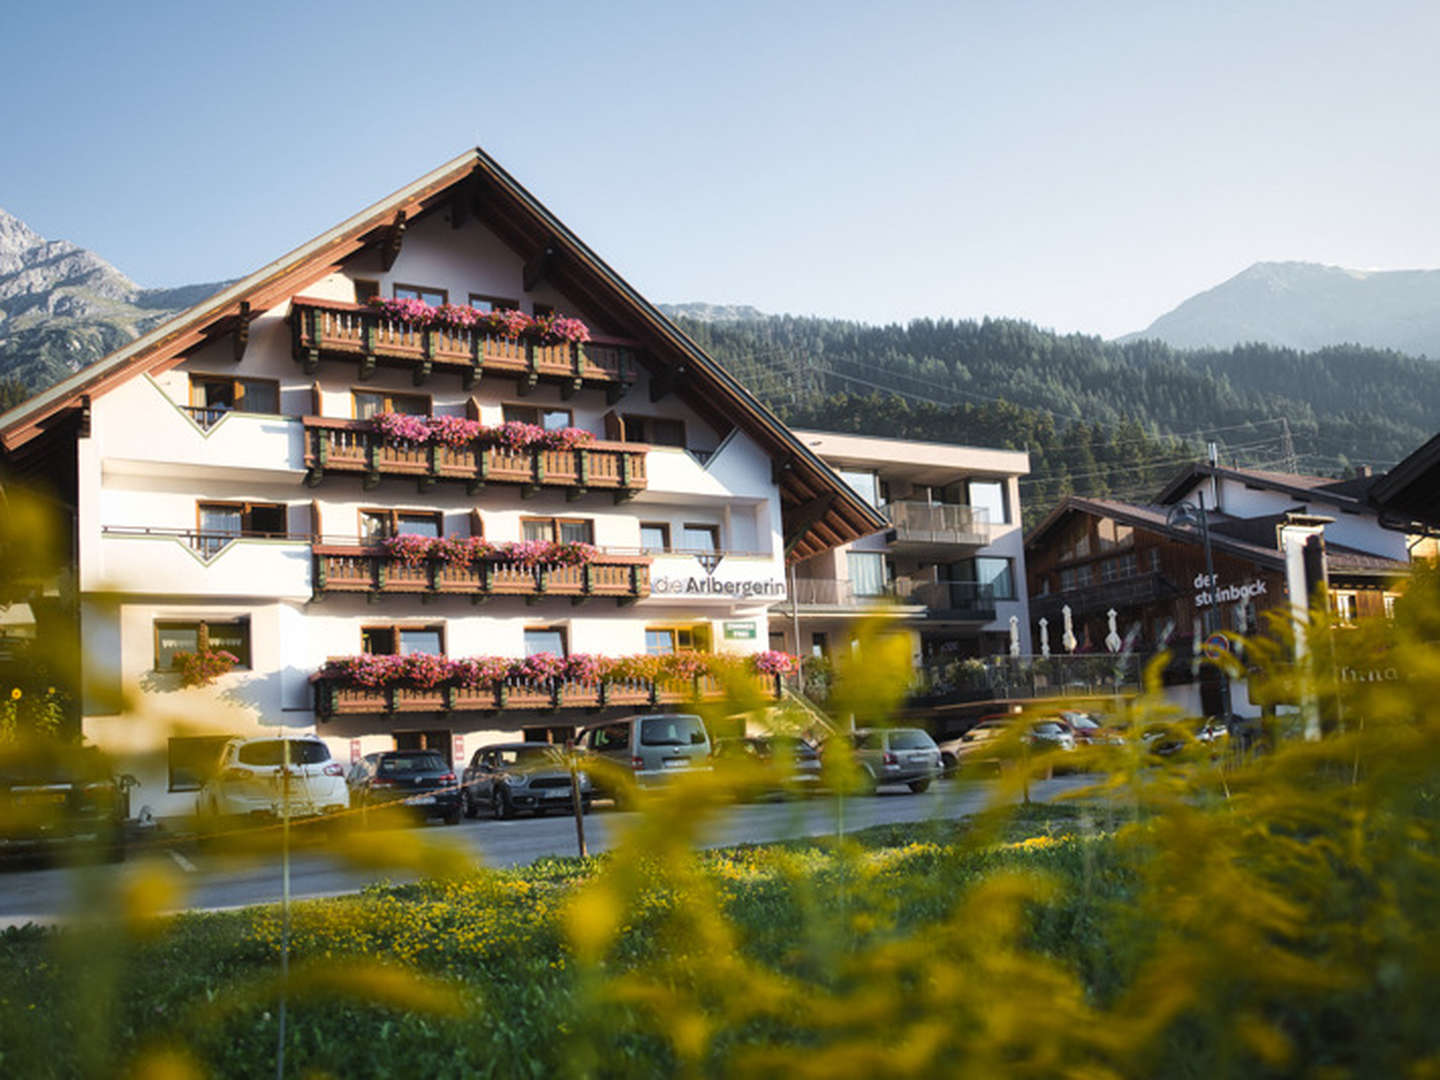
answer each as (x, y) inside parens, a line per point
(1048, 727)
(911, 740)
(272, 752)
(672, 731)
(403, 763)
(1083, 722)
(523, 756)
(786, 744)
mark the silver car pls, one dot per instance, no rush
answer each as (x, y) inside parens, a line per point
(651, 748)
(521, 776)
(906, 756)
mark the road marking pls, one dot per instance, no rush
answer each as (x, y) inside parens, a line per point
(181, 861)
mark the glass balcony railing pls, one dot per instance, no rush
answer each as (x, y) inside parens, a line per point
(928, 524)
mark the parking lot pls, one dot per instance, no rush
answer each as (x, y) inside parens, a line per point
(44, 893)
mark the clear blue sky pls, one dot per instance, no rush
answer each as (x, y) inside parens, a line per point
(1083, 165)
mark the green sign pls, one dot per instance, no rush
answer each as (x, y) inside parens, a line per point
(739, 631)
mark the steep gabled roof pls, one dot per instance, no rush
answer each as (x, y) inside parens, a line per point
(820, 510)
(1345, 494)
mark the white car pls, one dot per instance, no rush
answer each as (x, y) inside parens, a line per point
(249, 778)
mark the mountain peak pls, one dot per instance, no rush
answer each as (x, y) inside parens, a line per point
(1305, 305)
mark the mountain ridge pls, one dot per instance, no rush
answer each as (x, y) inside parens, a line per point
(1307, 305)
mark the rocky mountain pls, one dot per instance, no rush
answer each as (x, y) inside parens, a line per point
(712, 313)
(1303, 305)
(62, 307)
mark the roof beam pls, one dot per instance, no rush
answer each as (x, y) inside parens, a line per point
(801, 520)
(390, 243)
(241, 337)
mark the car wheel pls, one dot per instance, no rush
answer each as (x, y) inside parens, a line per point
(948, 764)
(503, 808)
(585, 806)
(917, 786)
(467, 804)
(453, 818)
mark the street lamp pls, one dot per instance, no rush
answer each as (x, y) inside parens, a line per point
(1194, 515)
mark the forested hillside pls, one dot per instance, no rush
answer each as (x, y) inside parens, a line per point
(1097, 417)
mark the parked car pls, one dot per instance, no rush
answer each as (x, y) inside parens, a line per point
(957, 751)
(250, 778)
(521, 776)
(419, 782)
(1089, 729)
(801, 760)
(906, 756)
(652, 748)
(54, 796)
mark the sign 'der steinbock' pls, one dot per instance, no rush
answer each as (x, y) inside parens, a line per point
(1225, 594)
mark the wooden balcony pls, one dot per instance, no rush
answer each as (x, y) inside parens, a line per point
(351, 569)
(331, 330)
(354, 447)
(332, 700)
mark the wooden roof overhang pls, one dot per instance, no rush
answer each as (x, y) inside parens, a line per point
(1408, 496)
(819, 510)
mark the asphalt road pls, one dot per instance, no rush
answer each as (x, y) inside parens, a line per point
(213, 880)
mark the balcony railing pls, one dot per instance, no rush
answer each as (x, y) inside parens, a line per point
(965, 600)
(937, 524)
(952, 599)
(335, 700)
(355, 447)
(1121, 593)
(354, 569)
(331, 330)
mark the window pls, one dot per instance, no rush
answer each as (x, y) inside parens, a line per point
(561, 530)
(214, 395)
(377, 525)
(370, 403)
(655, 430)
(819, 644)
(654, 537)
(551, 419)
(667, 640)
(366, 289)
(864, 484)
(267, 753)
(1389, 602)
(541, 310)
(193, 760)
(231, 635)
(219, 523)
(993, 572)
(545, 639)
(867, 573)
(699, 537)
(1346, 607)
(423, 293)
(402, 640)
(672, 731)
(492, 303)
(989, 496)
(1122, 566)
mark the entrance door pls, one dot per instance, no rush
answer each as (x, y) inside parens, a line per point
(438, 741)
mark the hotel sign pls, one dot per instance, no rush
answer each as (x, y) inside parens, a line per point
(712, 576)
(1225, 594)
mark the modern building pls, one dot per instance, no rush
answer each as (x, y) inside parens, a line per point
(1146, 562)
(950, 562)
(329, 461)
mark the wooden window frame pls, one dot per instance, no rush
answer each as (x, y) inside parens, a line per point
(396, 286)
(497, 303)
(388, 395)
(539, 420)
(393, 513)
(697, 526)
(664, 527)
(238, 382)
(365, 288)
(558, 628)
(556, 522)
(627, 419)
(202, 638)
(244, 508)
(396, 628)
(676, 629)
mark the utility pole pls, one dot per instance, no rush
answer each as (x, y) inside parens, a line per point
(1287, 446)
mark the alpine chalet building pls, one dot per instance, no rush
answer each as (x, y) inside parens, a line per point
(438, 477)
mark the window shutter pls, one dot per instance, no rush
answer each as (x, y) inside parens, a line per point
(477, 527)
(315, 399)
(315, 530)
(472, 409)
